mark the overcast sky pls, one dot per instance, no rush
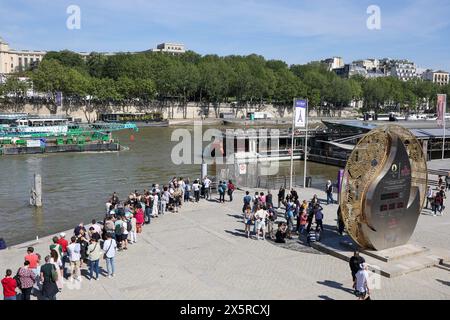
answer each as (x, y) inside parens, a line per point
(294, 31)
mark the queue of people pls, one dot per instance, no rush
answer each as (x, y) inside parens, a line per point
(89, 246)
(259, 211)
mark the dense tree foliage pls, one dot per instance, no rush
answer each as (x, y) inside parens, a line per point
(98, 81)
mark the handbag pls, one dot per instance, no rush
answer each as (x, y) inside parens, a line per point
(104, 255)
(54, 274)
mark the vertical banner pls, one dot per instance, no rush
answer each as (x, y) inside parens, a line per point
(339, 185)
(59, 98)
(441, 109)
(300, 113)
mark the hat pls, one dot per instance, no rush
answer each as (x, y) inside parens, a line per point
(62, 234)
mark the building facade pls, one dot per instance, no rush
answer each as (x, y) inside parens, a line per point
(334, 63)
(16, 60)
(349, 70)
(404, 70)
(171, 48)
(371, 65)
(440, 77)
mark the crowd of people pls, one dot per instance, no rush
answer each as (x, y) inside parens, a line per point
(259, 212)
(89, 245)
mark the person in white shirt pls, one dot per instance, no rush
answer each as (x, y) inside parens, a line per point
(73, 252)
(125, 233)
(196, 189)
(110, 249)
(207, 184)
(260, 217)
(429, 198)
(155, 205)
(362, 279)
(181, 186)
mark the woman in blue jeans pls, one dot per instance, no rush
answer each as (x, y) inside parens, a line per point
(110, 249)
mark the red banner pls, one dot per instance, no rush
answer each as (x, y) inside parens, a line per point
(441, 108)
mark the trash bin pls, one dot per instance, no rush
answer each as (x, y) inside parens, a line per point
(308, 182)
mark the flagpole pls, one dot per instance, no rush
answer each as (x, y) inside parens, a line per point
(443, 136)
(292, 143)
(306, 144)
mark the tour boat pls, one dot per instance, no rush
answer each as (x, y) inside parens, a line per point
(31, 124)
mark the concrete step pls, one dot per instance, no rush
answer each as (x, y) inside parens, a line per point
(400, 261)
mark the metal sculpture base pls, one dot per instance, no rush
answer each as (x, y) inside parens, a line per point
(389, 263)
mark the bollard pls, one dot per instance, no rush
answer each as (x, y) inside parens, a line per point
(36, 191)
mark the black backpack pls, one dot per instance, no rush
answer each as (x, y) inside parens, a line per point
(129, 226)
(17, 278)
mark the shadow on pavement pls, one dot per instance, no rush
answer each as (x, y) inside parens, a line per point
(237, 233)
(447, 283)
(336, 285)
(325, 298)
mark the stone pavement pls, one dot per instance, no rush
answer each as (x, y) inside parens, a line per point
(202, 253)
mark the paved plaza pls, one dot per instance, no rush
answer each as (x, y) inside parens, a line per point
(202, 253)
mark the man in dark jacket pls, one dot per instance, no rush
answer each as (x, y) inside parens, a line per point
(355, 263)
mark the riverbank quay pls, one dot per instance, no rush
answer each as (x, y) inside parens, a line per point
(203, 253)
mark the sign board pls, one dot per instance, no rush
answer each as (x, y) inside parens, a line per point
(59, 99)
(242, 168)
(33, 143)
(300, 113)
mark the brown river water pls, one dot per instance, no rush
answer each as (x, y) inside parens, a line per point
(76, 185)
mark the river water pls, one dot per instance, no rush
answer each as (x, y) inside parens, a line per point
(76, 185)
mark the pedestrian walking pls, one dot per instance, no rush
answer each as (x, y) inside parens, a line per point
(355, 261)
(362, 283)
(230, 190)
(329, 192)
(319, 218)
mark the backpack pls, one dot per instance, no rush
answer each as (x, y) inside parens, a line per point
(119, 229)
(129, 226)
(2, 244)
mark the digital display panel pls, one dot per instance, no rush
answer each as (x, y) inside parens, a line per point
(390, 196)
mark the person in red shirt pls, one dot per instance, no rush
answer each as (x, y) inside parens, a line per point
(32, 257)
(9, 286)
(63, 242)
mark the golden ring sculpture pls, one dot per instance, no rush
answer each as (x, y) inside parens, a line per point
(383, 188)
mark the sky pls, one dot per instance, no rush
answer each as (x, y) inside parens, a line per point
(296, 31)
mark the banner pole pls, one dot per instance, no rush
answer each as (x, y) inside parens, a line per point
(306, 144)
(292, 143)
